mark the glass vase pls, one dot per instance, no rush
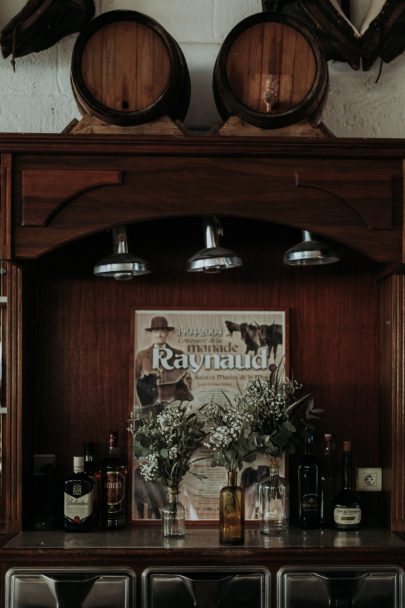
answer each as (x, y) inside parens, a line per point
(232, 512)
(173, 516)
(274, 502)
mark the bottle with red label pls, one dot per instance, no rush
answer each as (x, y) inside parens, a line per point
(79, 499)
(113, 487)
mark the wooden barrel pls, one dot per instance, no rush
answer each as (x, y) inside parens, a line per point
(270, 72)
(126, 70)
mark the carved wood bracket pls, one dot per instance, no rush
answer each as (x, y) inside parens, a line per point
(47, 191)
(369, 196)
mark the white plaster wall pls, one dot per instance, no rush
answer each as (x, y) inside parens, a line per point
(38, 97)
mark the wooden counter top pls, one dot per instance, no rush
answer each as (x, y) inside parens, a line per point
(203, 541)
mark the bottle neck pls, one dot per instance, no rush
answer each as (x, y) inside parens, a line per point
(347, 471)
(172, 494)
(78, 464)
(309, 445)
(113, 450)
(232, 478)
(88, 452)
(327, 447)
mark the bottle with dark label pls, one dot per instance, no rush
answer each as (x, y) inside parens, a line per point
(113, 487)
(78, 499)
(309, 487)
(327, 481)
(346, 506)
(93, 471)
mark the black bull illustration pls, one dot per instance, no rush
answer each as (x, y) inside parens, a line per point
(256, 336)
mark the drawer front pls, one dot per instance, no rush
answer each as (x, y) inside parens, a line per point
(206, 587)
(362, 586)
(78, 587)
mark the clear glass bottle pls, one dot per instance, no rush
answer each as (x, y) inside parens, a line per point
(327, 481)
(309, 487)
(78, 499)
(274, 502)
(173, 515)
(346, 506)
(113, 487)
(232, 512)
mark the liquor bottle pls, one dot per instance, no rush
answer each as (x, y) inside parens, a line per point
(309, 487)
(346, 506)
(78, 495)
(93, 471)
(113, 487)
(327, 481)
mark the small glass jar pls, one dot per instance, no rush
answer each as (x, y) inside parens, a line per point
(274, 502)
(232, 512)
(173, 515)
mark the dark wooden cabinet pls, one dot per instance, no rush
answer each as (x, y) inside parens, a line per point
(67, 335)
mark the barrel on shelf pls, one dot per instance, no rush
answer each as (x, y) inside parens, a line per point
(127, 69)
(270, 72)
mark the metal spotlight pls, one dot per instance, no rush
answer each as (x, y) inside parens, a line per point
(213, 258)
(309, 253)
(121, 265)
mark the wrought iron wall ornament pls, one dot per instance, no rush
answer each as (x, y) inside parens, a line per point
(382, 33)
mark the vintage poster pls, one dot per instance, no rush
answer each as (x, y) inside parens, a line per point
(197, 356)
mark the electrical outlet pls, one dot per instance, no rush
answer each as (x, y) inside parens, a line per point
(369, 479)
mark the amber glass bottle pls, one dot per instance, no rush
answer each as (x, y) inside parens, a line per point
(232, 512)
(113, 487)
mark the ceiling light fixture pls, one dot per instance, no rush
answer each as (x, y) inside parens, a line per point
(310, 253)
(121, 265)
(213, 258)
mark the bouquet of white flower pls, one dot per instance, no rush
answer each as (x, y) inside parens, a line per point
(280, 417)
(166, 443)
(229, 427)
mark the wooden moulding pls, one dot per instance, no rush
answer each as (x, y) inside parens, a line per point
(304, 128)
(91, 125)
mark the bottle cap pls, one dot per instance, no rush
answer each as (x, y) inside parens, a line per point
(328, 436)
(78, 464)
(347, 446)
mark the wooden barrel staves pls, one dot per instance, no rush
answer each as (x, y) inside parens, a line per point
(270, 72)
(127, 70)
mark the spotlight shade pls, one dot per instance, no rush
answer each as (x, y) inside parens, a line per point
(213, 258)
(310, 252)
(121, 265)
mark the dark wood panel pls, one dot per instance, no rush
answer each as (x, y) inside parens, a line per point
(80, 329)
(6, 205)
(44, 191)
(392, 391)
(261, 188)
(12, 374)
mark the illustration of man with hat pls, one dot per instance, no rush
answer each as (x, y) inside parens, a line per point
(160, 386)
